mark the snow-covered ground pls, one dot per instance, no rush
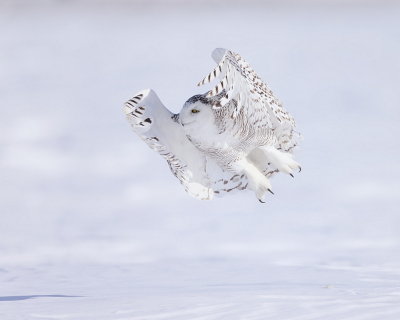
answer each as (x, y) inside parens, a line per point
(94, 226)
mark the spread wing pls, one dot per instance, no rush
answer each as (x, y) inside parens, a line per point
(201, 177)
(155, 125)
(238, 81)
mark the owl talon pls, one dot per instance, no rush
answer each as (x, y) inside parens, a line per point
(291, 174)
(271, 191)
(261, 201)
(283, 161)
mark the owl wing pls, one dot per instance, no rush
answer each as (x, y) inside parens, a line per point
(238, 81)
(158, 127)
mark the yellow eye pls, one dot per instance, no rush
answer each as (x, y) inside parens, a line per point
(195, 110)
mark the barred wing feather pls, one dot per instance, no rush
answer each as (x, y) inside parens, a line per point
(237, 80)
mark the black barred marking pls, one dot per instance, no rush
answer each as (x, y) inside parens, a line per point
(201, 98)
(139, 96)
(135, 100)
(237, 187)
(141, 108)
(130, 103)
(137, 111)
(175, 117)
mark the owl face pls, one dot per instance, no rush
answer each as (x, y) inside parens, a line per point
(196, 115)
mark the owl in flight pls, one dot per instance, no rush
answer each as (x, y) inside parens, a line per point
(233, 137)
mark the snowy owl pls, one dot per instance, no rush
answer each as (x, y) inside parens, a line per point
(233, 137)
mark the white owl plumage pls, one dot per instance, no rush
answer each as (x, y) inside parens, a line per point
(234, 137)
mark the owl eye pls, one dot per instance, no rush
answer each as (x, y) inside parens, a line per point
(195, 111)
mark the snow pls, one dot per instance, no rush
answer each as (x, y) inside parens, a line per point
(94, 226)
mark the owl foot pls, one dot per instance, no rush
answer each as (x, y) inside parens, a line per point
(283, 161)
(257, 181)
(261, 191)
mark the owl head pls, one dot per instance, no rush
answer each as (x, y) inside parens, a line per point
(197, 116)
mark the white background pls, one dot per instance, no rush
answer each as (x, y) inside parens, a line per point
(94, 226)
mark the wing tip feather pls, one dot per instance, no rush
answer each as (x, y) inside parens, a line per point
(218, 53)
(134, 102)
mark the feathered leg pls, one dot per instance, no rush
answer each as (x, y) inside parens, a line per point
(257, 181)
(283, 161)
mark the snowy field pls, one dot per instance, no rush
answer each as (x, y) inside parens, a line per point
(93, 226)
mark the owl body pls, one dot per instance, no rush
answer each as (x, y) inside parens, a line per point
(225, 142)
(234, 137)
